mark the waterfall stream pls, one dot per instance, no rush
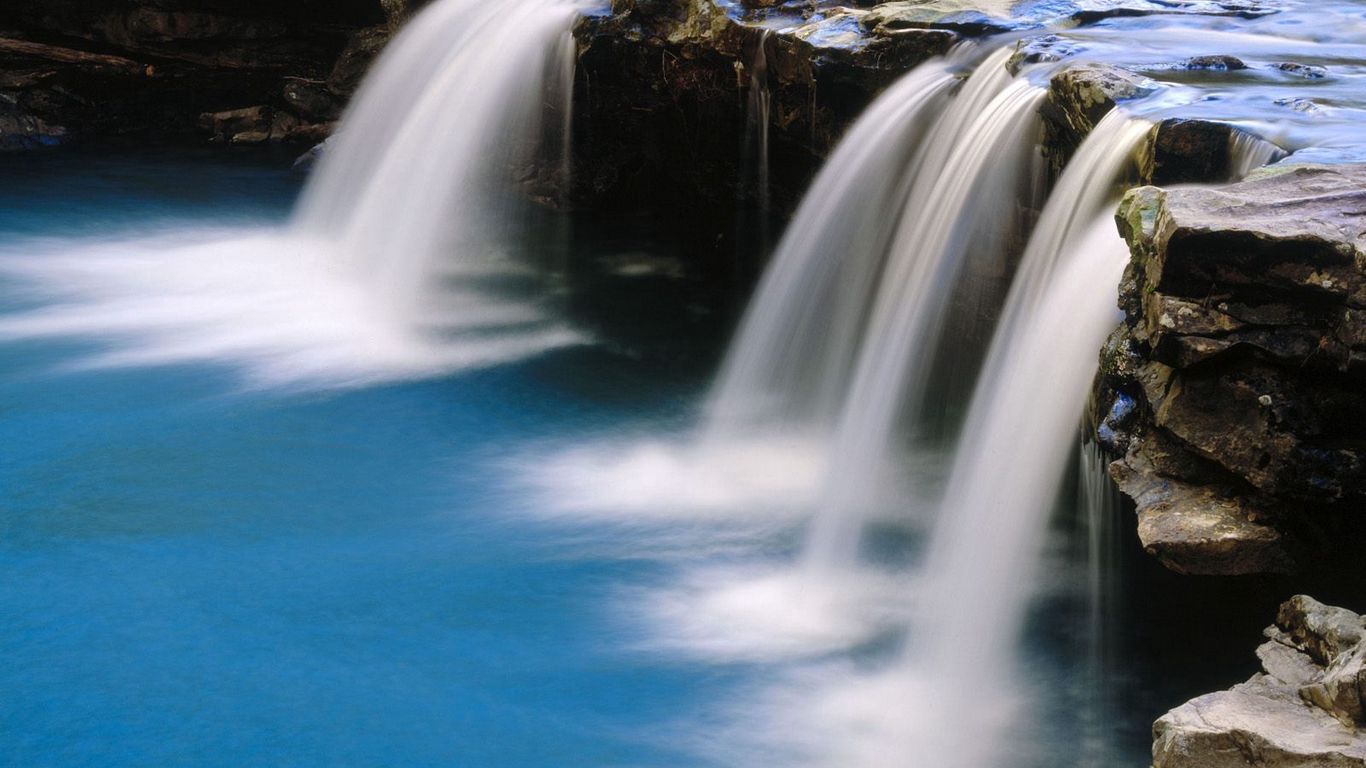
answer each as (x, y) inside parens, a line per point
(789, 365)
(980, 154)
(758, 118)
(1020, 435)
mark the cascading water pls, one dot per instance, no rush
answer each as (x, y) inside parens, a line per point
(1247, 153)
(977, 161)
(1099, 508)
(397, 262)
(789, 364)
(423, 164)
(1018, 440)
(950, 697)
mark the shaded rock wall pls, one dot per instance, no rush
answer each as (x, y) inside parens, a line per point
(71, 69)
(664, 87)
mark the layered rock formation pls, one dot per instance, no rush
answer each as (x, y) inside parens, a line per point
(1304, 710)
(1233, 387)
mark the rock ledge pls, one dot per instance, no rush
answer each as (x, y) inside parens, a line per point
(1304, 710)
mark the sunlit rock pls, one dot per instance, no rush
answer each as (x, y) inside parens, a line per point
(1304, 710)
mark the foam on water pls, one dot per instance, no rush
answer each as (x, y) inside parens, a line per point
(656, 479)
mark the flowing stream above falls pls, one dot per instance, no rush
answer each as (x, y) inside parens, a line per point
(330, 474)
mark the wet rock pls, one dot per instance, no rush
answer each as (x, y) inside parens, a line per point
(1307, 71)
(952, 15)
(1113, 431)
(1243, 343)
(311, 100)
(314, 134)
(1300, 104)
(309, 159)
(1185, 151)
(1195, 528)
(1257, 723)
(248, 123)
(397, 11)
(1305, 709)
(1078, 97)
(662, 91)
(1046, 48)
(28, 132)
(1217, 63)
(361, 49)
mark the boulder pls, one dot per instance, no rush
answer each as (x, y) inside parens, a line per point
(311, 99)
(1260, 724)
(1192, 524)
(1188, 151)
(1305, 709)
(1218, 63)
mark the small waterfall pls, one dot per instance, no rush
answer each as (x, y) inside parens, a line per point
(1099, 507)
(1248, 152)
(422, 165)
(789, 364)
(1018, 440)
(980, 156)
(399, 261)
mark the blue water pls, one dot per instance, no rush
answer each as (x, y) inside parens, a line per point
(194, 572)
(191, 574)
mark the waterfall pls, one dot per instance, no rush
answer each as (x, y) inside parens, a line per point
(422, 165)
(789, 363)
(977, 159)
(400, 260)
(1099, 507)
(1019, 439)
(950, 695)
(1248, 152)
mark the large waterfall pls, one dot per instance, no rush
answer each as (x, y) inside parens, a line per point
(400, 259)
